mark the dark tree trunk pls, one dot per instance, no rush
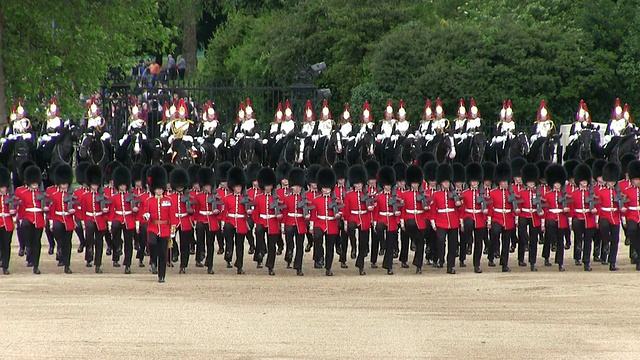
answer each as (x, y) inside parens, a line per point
(189, 40)
(3, 97)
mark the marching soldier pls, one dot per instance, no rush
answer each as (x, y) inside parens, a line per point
(235, 214)
(78, 193)
(324, 219)
(609, 209)
(193, 192)
(62, 211)
(544, 189)
(474, 214)
(108, 191)
(295, 219)
(157, 212)
(341, 169)
(459, 179)
(32, 209)
(252, 180)
(570, 166)
(7, 210)
(222, 191)
(401, 251)
(143, 242)
(632, 215)
(182, 211)
(122, 214)
(206, 215)
(387, 216)
(283, 190)
(414, 213)
(600, 249)
(357, 213)
(555, 218)
(267, 215)
(529, 214)
(312, 193)
(372, 168)
(93, 204)
(623, 184)
(583, 212)
(430, 186)
(48, 229)
(445, 219)
(501, 215)
(516, 168)
(487, 185)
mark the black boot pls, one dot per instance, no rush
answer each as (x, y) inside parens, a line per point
(271, 272)
(477, 270)
(533, 267)
(362, 272)
(561, 268)
(127, 270)
(299, 272)
(613, 267)
(451, 271)
(587, 267)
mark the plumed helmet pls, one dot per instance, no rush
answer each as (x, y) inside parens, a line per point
(611, 172)
(459, 175)
(414, 175)
(582, 172)
(357, 175)
(474, 172)
(386, 176)
(516, 166)
(296, 177)
(63, 174)
(157, 178)
(179, 178)
(236, 177)
(326, 178)
(530, 173)
(266, 176)
(340, 168)
(502, 172)
(205, 176)
(400, 169)
(444, 172)
(93, 175)
(372, 167)
(312, 172)
(555, 173)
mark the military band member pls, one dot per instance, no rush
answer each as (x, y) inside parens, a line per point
(341, 169)
(609, 210)
(357, 213)
(632, 215)
(267, 215)
(529, 215)
(501, 215)
(182, 211)
(122, 214)
(555, 214)
(206, 216)
(7, 210)
(445, 220)
(387, 216)
(324, 219)
(414, 213)
(473, 219)
(157, 211)
(95, 217)
(236, 211)
(583, 213)
(402, 250)
(295, 219)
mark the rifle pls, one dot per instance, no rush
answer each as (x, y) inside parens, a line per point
(394, 201)
(334, 205)
(453, 194)
(537, 201)
(42, 197)
(275, 205)
(304, 203)
(423, 198)
(185, 199)
(70, 200)
(591, 199)
(212, 199)
(248, 203)
(482, 200)
(12, 201)
(102, 198)
(565, 198)
(513, 199)
(620, 198)
(367, 198)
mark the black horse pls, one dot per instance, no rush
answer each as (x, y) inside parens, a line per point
(585, 146)
(94, 150)
(135, 149)
(512, 148)
(208, 154)
(361, 150)
(627, 144)
(442, 147)
(180, 156)
(245, 151)
(471, 148)
(407, 151)
(546, 148)
(293, 151)
(18, 151)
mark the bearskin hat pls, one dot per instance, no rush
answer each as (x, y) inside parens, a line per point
(266, 176)
(168, 168)
(326, 178)
(121, 176)
(52, 169)
(424, 158)
(93, 175)
(223, 170)
(530, 173)
(312, 173)
(145, 175)
(444, 172)
(582, 172)
(474, 172)
(63, 174)
(625, 160)
(236, 177)
(570, 166)
(429, 170)
(357, 175)
(372, 167)
(341, 169)
(109, 169)
(252, 172)
(80, 171)
(611, 172)
(542, 166)
(555, 173)
(386, 176)
(487, 169)
(459, 175)
(400, 168)
(282, 171)
(193, 173)
(205, 176)
(136, 172)
(502, 172)
(590, 161)
(32, 175)
(179, 178)
(157, 178)
(414, 175)
(633, 169)
(23, 166)
(5, 177)
(597, 167)
(516, 166)
(296, 177)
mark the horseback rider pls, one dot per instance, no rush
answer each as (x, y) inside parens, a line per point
(237, 129)
(210, 125)
(19, 126)
(168, 115)
(582, 122)
(309, 127)
(506, 127)
(95, 122)
(427, 116)
(544, 126)
(402, 125)
(386, 125)
(325, 124)
(288, 126)
(346, 128)
(53, 125)
(620, 123)
(180, 129)
(136, 122)
(460, 123)
(439, 124)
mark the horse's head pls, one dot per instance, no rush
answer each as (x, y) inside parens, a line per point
(21, 150)
(137, 142)
(522, 143)
(85, 143)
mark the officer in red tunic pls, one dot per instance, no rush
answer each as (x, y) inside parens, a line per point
(632, 215)
(109, 189)
(516, 186)
(267, 215)
(193, 192)
(137, 190)
(182, 211)
(414, 209)
(283, 190)
(95, 215)
(311, 193)
(122, 214)
(296, 214)
(445, 220)
(207, 217)
(583, 215)
(501, 215)
(143, 244)
(48, 230)
(63, 209)
(7, 210)
(430, 186)
(253, 190)
(22, 242)
(490, 245)
(357, 212)
(386, 216)
(223, 191)
(623, 184)
(474, 214)
(544, 188)
(324, 218)
(78, 193)
(569, 166)
(32, 206)
(600, 249)
(236, 211)
(402, 250)
(555, 214)
(609, 210)
(341, 168)
(459, 180)
(529, 214)
(157, 211)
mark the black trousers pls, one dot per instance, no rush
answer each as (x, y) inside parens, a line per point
(272, 241)
(63, 237)
(320, 237)
(633, 233)
(295, 242)
(599, 250)
(143, 242)
(80, 232)
(108, 239)
(94, 243)
(582, 240)
(32, 237)
(610, 238)
(451, 236)
(390, 241)
(232, 238)
(186, 239)
(344, 240)
(476, 236)
(493, 247)
(554, 235)
(261, 244)
(204, 243)
(500, 233)
(404, 246)
(118, 230)
(429, 240)
(250, 236)
(159, 244)
(417, 236)
(363, 242)
(50, 238)
(5, 247)
(528, 236)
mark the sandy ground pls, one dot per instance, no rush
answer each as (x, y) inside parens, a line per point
(520, 315)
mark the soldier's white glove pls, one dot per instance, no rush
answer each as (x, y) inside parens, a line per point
(265, 141)
(534, 138)
(146, 216)
(428, 137)
(256, 136)
(279, 136)
(217, 142)
(200, 140)
(433, 224)
(239, 135)
(315, 137)
(188, 138)
(105, 136)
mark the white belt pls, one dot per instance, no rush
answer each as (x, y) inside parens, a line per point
(555, 211)
(473, 211)
(296, 215)
(126, 212)
(235, 216)
(181, 215)
(206, 212)
(582, 211)
(442, 211)
(93, 213)
(5, 214)
(387, 214)
(358, 212)
(322, 217)
(33, 210)
(634, 208)
(528, 210)
(502, 211)
(609, 209)
(409, 211)
(267, 216)
(61, 213)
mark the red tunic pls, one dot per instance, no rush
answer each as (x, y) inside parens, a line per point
(60, 210)
(633, 206)
(355, 210)
(49, 191)
(527, 209)
(323, 216)
(608, 207)
(20, 209)
(500, 210)
(444, 211)
(472, 209)
(264, 215)
(120, 210)
(180, 216)
(30, 208)
(78, 193)
(412, 209)
(159, 211)
(204, 210)
(235, 213)
(293, 216)
(580, 208)
(624, 183)
(283, 192)
(554, 210)
(6, 219)
(93, 211)
(384, 213)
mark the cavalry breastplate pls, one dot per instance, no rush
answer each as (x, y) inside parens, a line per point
(325, 127)
(274, 128)
(386, 128)
(209, 127)
(543, 128)
(287, 126)
(94, 122)
(474, 124)
(439, 124)
(424, 126)
(308, 127)
(402, 127)
(617, 126)
(248, 125)
(54, 124)
(181, 125)
(508, 126)
(459, 124)
(345, 129)
(137, 124)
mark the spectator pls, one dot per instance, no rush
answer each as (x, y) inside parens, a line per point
(154, 70)
(172, 68)
(181, 67)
